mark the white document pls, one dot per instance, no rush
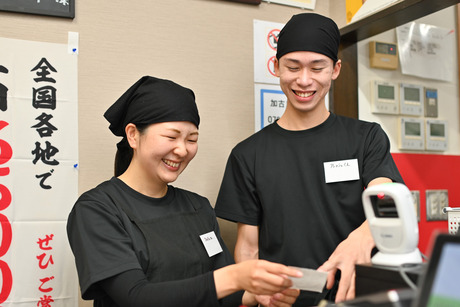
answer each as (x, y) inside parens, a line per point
(312, 280)
(425, 51)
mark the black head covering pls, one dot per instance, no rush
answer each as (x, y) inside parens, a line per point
(151, 100)
(309, 32)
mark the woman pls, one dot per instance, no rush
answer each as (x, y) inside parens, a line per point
(139, 241)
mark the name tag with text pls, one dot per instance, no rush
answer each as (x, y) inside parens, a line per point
(211, 244)
(343, 170)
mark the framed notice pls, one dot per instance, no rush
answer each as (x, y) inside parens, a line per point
(59, 8)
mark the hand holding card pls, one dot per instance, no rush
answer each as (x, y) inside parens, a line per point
(311, 280)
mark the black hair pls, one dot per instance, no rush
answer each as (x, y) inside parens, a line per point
(124, 153)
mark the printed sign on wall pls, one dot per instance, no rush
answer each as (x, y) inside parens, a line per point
(265, 45)
(270, 101)
(38, 172)
(425, 51)
(270, 104)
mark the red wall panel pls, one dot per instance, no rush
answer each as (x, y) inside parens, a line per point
(430, 172)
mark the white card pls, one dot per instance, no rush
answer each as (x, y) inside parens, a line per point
(211, 243)
(311, 280)
(343, 170)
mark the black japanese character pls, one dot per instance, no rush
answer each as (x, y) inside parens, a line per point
(43, 67)
(44, 127)
(43, 178)
(3, 91)
(45, 154)
(44, 98)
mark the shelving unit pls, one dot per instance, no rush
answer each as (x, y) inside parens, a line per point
(344, 90)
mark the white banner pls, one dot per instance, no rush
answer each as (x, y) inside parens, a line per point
(38, 172)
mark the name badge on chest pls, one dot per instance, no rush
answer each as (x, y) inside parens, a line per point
(211, 244)
(343, 170)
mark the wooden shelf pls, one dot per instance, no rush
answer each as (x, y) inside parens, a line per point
(344, 91)
(394, 16)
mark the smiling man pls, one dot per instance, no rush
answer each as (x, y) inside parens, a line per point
(280, 185)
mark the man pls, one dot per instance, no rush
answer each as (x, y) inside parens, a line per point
(294, 188)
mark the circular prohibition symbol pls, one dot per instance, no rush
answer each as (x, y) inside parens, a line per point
(272, 38)
(271, 65)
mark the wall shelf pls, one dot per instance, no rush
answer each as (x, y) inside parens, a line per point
(344, 90)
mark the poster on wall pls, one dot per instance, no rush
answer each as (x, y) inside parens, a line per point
(270, 103)
(38, 172)
(265, 44)
(425, 51)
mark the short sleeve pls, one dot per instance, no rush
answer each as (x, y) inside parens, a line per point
(237, 200)
(101, 245)
(378, 161)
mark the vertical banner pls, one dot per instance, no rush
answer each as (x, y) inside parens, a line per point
(38, 172)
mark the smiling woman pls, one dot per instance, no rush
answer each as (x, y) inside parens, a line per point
(148, 101)
(138, 240)
(161, 153)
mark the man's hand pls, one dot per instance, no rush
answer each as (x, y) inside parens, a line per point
(355, 249)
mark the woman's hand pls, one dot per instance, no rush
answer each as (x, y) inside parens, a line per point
(284, 298)
(259, 277)
(264, 277)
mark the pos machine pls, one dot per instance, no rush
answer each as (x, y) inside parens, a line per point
(393, 222)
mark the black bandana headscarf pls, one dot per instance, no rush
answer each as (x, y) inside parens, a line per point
(151, 100)
(309, 32)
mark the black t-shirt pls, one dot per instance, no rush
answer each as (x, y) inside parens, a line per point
(276, 179)
(106, 242)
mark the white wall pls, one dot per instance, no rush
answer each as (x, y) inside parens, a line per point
(206, 45)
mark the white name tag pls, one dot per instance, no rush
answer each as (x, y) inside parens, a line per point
(343, 170)
(211, 243)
